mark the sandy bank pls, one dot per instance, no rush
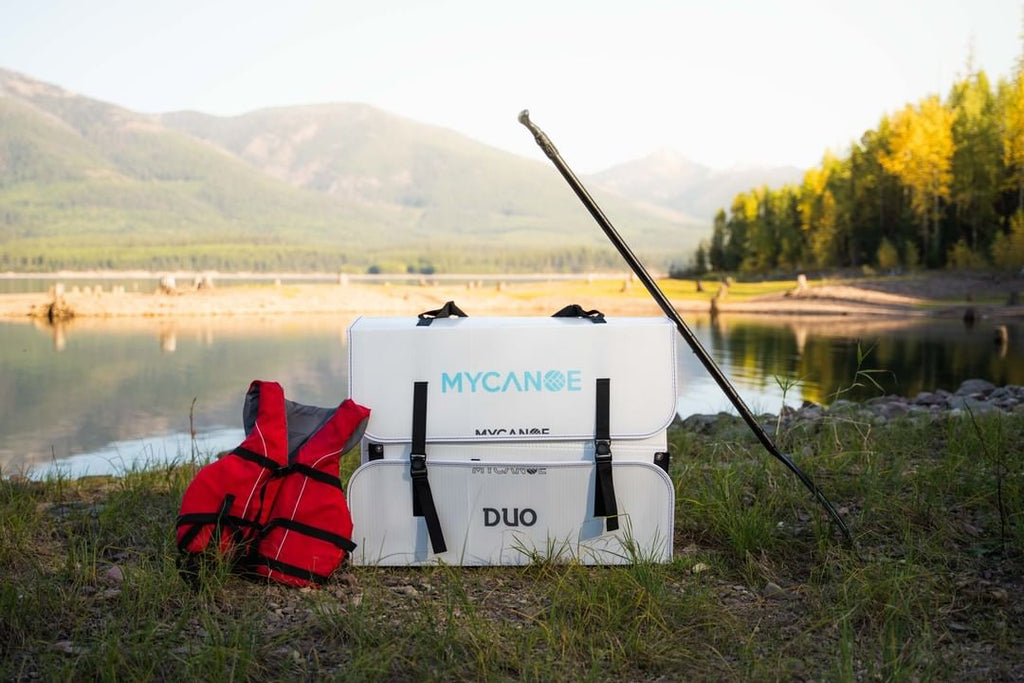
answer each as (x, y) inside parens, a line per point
(534, 298)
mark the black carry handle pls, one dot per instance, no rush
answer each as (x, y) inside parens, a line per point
(447, 311)
(577, 311)
(698, 349)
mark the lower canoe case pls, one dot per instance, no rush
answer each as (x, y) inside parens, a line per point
(511, 513)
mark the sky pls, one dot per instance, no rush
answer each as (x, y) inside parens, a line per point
(726, 83)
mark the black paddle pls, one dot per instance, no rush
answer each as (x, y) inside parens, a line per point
(723, 382)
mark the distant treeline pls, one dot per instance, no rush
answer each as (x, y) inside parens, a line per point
(935, 184)
(46, 256)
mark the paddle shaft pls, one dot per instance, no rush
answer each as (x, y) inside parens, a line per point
(666, 306)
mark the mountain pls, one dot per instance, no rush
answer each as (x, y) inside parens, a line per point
(454, 185)
(669, 180)
(85, 183)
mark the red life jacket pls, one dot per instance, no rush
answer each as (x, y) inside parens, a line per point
(275, 503)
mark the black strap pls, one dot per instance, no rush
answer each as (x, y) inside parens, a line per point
(306, 530)
(289, 569)
(261, 460)
(307, 471)
(419, 418)
(200, 519)
(577, 311)
(446, 311)
(223, 520)
(189, 536)
(422, 498)
(604, 490)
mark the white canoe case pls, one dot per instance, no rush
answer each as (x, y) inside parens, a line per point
(585, 400)
(510, 513)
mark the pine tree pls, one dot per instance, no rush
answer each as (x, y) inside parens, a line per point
(716, 252)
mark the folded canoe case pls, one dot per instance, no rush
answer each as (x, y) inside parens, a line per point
(498, 441)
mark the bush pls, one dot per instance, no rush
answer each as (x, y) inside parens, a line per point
(911, 256)
(1008, 250)
(961, 257)
(887, 256)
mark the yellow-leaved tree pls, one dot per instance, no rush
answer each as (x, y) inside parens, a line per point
(1013, 133)
(818, 212)
(921, 154)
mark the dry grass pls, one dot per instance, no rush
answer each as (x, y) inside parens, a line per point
(760, 587)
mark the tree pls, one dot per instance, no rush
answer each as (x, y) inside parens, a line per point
(700, 258)
(921, 157)
(762, 232)
(716, 252)
(1013, 133)
(742, 215)
(977, 157)
(792, 246)
(818, 213)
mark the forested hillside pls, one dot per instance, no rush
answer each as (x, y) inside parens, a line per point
(937, 183)
(89, 184)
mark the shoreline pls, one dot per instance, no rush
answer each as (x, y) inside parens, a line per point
(509, 296)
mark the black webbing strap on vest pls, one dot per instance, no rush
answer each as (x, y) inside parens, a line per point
(604, 491)
(422, 499)
(288, 569)
(307, 471)
(336, 540)
(446, 311)
(577, 311)
(218, 519)
(261, 460)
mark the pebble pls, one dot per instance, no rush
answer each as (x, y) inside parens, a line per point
(69, 648)
(700, 567)
(773, 590)
(113, 575)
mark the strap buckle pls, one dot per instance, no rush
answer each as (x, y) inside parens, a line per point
(602, 450)
(418, 466)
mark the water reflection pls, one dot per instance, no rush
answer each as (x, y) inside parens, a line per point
(79, 388)
(842, 357)
(112, 391)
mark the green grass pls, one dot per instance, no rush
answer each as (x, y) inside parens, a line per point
(933, 590)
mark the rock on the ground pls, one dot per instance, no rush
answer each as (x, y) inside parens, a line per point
(976, 406)
(975, 386)
(976, 396)
(113, 575)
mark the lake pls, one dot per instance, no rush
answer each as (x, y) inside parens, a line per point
(96, 395)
